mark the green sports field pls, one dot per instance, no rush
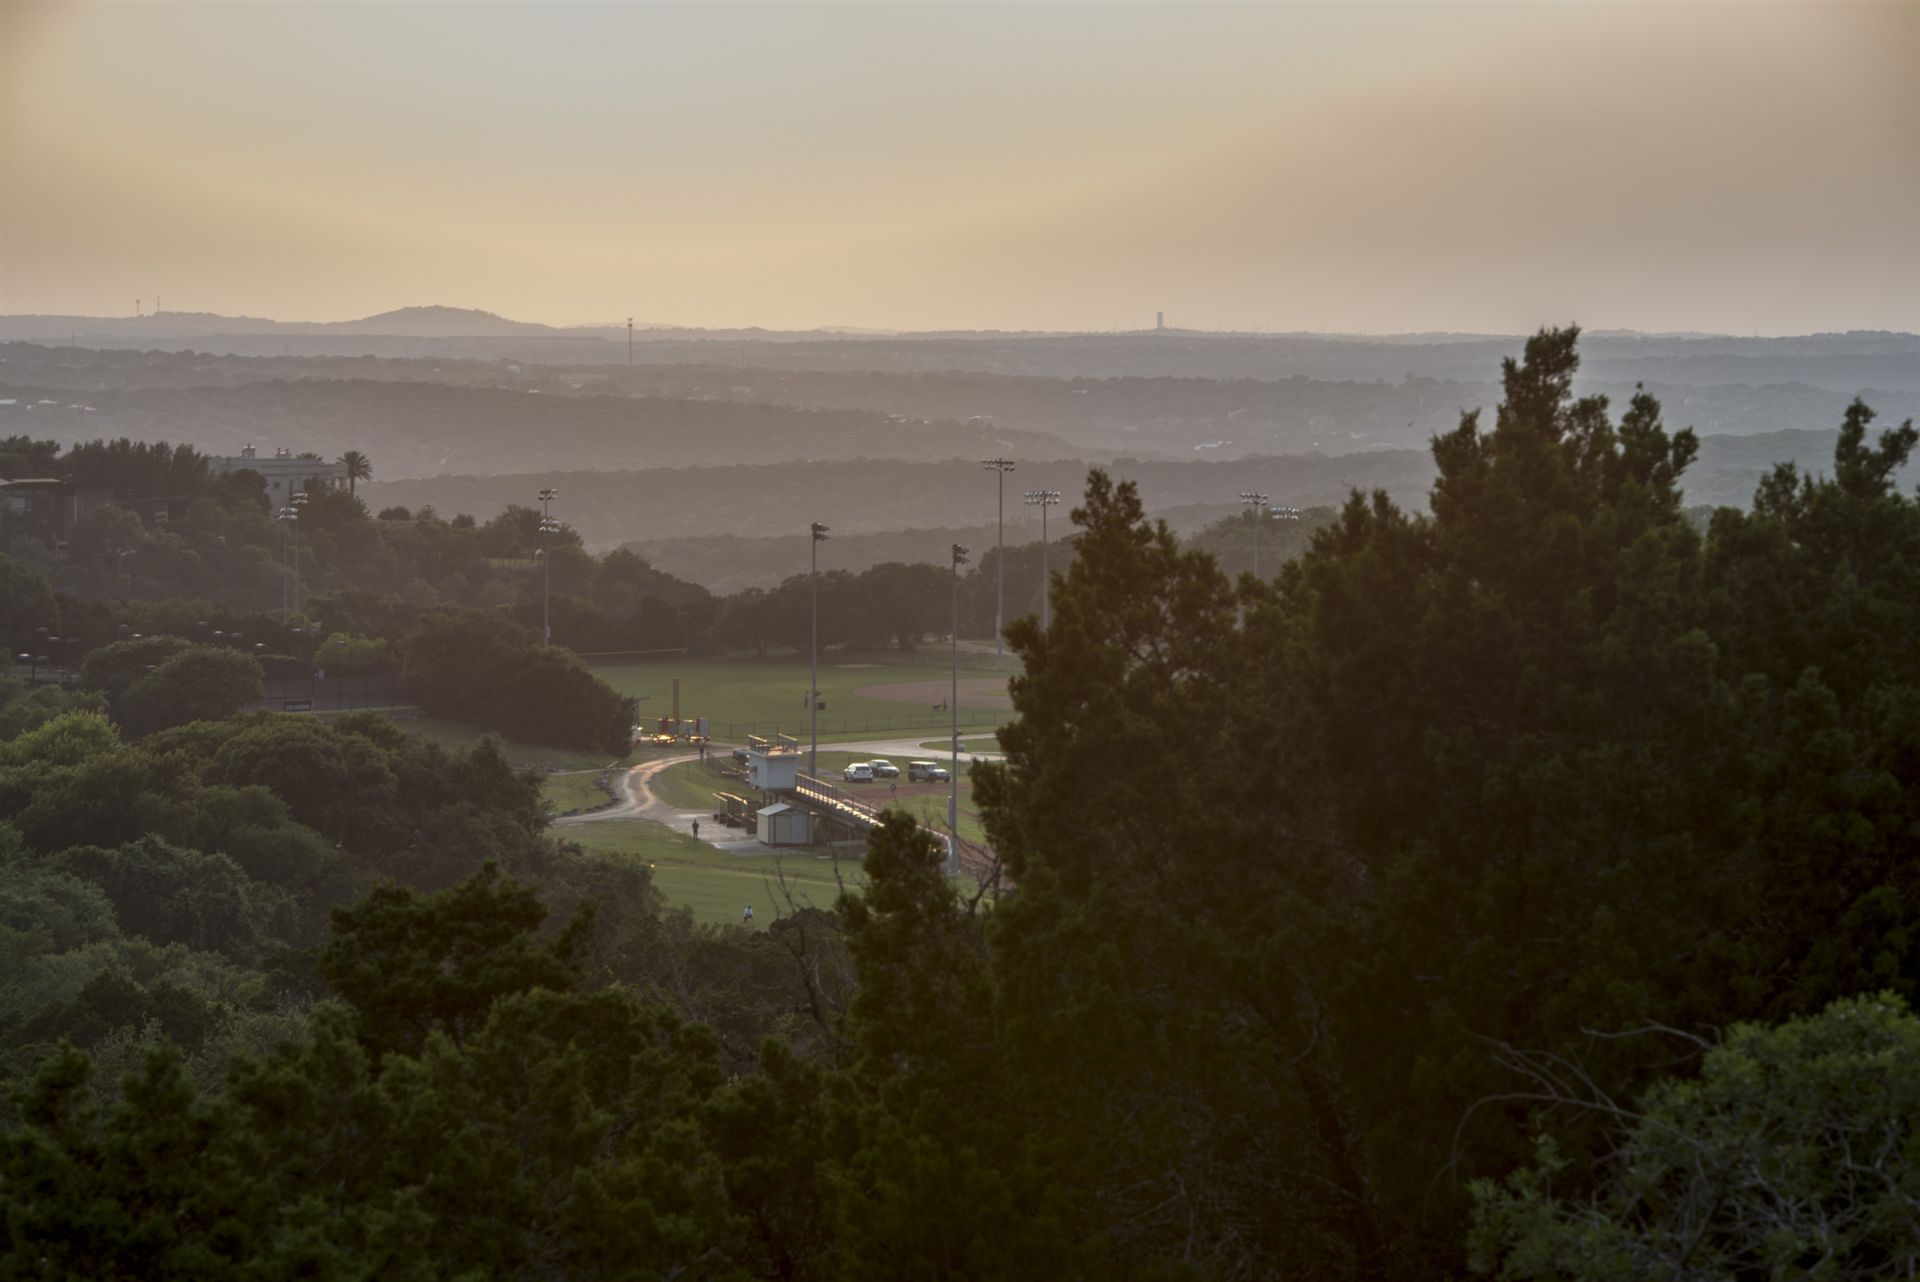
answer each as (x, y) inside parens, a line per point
(716, 885)
(740, 697)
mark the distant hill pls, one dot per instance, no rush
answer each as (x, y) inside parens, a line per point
(435, 322)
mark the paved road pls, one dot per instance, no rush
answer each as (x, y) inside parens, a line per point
(640, 801)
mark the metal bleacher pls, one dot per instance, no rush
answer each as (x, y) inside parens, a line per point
(823, 798)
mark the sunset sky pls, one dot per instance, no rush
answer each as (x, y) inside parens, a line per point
(1726, 167)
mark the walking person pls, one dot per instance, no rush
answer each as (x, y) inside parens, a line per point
(696, 830)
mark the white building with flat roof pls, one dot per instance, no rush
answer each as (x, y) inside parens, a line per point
(286, 473)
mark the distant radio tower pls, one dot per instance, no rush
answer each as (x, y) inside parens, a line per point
(1159, 320)
(629, 341)
(136, 308)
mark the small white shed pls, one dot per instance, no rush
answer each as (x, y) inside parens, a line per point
(785, 825)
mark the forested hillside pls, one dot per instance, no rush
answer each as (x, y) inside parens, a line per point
(1525, 886)
(425, 429)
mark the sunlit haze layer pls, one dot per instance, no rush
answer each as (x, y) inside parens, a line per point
(1371, 168)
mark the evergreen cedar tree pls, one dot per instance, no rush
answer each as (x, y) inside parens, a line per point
(1378, 921)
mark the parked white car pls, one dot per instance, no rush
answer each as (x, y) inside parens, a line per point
(858, 772)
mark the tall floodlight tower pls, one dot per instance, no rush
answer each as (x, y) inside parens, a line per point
(1000, 467)
(1044, 499)
(548, 528)
(960, 551)
(286, 516)
(813, 683)
(299, 501)
(1257, 504)
(1284, 513)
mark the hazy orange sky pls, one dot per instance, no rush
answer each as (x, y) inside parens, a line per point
(1731, 167)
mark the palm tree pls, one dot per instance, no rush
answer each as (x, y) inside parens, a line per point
(358, 468)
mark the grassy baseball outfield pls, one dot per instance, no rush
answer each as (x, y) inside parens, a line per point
(866, 696)
(716, 885)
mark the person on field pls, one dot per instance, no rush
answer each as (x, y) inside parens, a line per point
(696, 830)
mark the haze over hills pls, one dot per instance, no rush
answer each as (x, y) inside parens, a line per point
(674, 514)
(1844, 362)
(434, 414)
(745, 435)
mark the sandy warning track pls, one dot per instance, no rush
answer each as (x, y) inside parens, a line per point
(975, 692)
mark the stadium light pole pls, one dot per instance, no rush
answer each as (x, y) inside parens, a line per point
(1257, 504)
(1284, 513)
(1000, 467)
(960, 551)
(813, 681)
(299, 506)
(286, 516)
(547, 528)
(1044, 499)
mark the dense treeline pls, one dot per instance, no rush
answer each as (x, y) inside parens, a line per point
(379, 576)
(1514, 779)
(1421, 910)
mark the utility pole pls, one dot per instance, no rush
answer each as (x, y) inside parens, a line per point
(1000, 467)
(953, 701)
(548, 528)
(1256, 503)
(813, 683)
(629, 342)
(1044, 499)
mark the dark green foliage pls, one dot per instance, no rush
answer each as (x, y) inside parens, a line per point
(483, 669)
(411, 965)
(1540, 763)
(23, 708)
(531, 1132)
(943, 1180)
(26, 605)
(112, 669)
(201, 683)
(136, 469)
(1796, 1153)
(171, 894)
(44, 909)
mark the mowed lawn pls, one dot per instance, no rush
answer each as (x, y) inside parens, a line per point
(769, 696)
(714, 884)
(573, 790)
